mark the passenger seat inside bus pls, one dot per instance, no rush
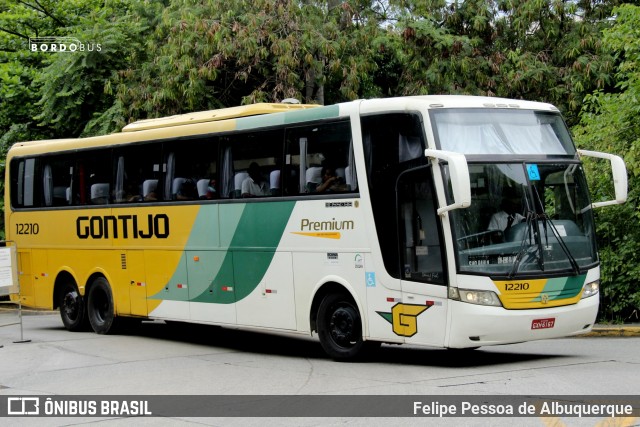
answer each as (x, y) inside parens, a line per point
(61, 195)
(203, 188)
(313, 178)
(149, 187)
(237, 183)
(100, 193)
(274, 182)
(176, 185)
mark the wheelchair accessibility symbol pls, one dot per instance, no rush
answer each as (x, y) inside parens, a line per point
(371, 279)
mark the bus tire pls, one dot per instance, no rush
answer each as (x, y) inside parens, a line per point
(73, 310)
(100, 308)
(340, 327)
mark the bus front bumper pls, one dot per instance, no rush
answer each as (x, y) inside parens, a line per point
(476, 325)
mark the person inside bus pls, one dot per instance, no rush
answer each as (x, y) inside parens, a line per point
(210, 192)
(187, 191)
(130, 194)
(331, 182)
(508, 216)
(254, 185)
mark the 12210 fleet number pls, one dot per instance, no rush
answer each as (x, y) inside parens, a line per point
(516, 286)
(28, 228)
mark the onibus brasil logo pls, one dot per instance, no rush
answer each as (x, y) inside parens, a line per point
(55, 44)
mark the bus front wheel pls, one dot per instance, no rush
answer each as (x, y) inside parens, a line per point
(100, 308)
(72, 309)
(340, 327)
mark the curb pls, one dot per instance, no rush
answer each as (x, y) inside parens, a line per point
(12, 308)
(614, 331)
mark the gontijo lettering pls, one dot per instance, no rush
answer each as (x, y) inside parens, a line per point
(125, 226)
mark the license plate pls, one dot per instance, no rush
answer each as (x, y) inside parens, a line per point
(543, 323)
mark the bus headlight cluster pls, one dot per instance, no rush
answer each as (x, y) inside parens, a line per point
(475, 297)
(590, 289)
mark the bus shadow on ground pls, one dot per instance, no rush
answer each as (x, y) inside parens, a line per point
(274, 344)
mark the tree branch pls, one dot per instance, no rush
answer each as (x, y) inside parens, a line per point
(43, 10)
(14, 33)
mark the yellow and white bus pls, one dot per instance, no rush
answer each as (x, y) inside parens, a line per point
(370, 221)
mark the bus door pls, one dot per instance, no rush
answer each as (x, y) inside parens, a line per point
(423, 315)
(137, 282)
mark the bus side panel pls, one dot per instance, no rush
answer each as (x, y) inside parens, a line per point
(271, 304)
(27, 291)
(313, 270)
(136, 281)
(383, 294)
(212, 286)
(43, 280)
(167, 286)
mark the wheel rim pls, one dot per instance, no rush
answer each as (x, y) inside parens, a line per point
(71, 305)
(343, 325)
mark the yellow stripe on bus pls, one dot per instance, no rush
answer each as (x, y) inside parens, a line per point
(325, 235)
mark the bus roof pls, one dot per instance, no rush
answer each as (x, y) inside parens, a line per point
(214, 115)
(456, 101)
(263, 115)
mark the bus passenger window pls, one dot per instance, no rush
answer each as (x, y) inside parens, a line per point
(252, 165)
(314, 150)
(190, 169)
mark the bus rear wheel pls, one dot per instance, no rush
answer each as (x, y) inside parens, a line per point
(100, 308)
(340, 327)
(72, 308)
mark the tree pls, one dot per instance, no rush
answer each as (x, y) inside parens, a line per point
(609, 123)
(211, 54)
(20, 68)
(545, 50)
(77, 95)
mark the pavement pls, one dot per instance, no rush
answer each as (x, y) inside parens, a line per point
(599, 330)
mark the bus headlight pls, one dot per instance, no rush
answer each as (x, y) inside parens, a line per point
(590, 289)
(475, 297)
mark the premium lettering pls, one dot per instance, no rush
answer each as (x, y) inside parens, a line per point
(125, 226)
(333, 225)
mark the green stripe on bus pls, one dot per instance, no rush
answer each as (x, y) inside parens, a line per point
(562, 288)
(297, 116)
(249, 236)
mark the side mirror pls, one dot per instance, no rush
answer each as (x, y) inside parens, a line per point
(459, 176)
(619, 172)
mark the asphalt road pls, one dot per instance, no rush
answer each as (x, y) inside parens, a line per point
(158, 359)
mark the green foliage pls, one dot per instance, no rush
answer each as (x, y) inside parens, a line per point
(545, 50)
(76, 97)
(610, 123)
(212, 54)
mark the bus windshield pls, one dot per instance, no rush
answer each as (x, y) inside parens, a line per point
(525, 218)
(502, 131)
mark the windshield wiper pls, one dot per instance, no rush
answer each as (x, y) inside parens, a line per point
(544, 216)
(526, 248)
(574, 264)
